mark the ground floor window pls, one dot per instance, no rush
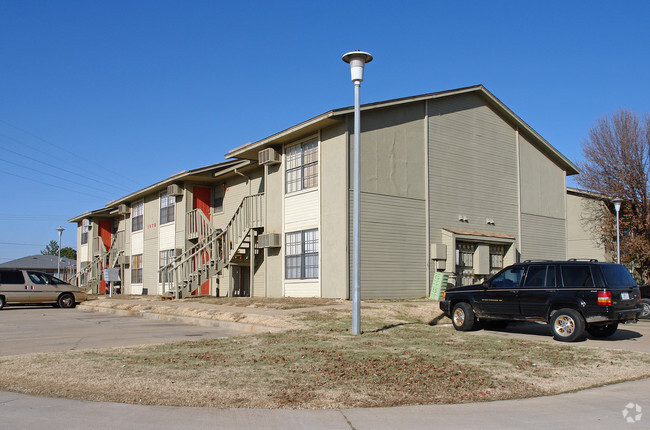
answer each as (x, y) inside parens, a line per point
(301, 258)
(165, 258)
(136, 269)
(465, 263)
(497, 252)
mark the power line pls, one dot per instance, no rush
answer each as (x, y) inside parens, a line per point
(57, 167)
(52, 185)
(48, 142)
(62, 178)
(20, 244)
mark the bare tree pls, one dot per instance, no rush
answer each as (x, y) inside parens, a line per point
(617, 164)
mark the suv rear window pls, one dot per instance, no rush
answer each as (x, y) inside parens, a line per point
(11, 277)
(617, 276)
(577, 276)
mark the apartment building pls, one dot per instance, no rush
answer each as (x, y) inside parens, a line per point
(451, 181)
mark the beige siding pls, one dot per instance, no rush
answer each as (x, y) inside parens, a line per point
(473, 169)
(393, 263)
(273, 256)
(150, 251)
(333, 207)
(582, 241)
(167, 236)
(301, 210)
(536, 234)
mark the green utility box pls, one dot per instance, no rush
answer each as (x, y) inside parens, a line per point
(439, 285)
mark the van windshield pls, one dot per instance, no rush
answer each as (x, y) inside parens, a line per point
(617, 276)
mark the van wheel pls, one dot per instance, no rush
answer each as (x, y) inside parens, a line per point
(567, 325)
(463, 317)
(646, 309)
(66, 301)
(2, 302)
(602, 330)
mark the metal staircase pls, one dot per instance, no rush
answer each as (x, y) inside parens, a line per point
(92, 273)
(215, 248)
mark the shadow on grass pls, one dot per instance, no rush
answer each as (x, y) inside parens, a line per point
(437, 319)
(388, 327)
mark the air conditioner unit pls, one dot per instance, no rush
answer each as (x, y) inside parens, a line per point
(269, 240)
(123, 259)
(174, 190)
(268, 156)
(123, 210)
(178, 252)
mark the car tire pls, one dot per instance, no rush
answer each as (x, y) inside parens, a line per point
(66, 301)
(567, 325)
(2, 302)
(462, 317)
(602, 330)
(646, 309)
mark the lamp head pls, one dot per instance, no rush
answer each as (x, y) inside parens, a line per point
(617, 203)
(357, 59)
(60, 230)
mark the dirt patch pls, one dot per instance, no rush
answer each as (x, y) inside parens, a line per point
(399, 360)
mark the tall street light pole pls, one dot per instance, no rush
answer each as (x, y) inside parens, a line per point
(357, 60)
(617, 205)
(58, 263)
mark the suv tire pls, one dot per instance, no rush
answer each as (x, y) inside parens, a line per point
(605, 330)
(567, 325)
(462, 317)
(2, 302)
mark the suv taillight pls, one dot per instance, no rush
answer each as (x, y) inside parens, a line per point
(604, 298)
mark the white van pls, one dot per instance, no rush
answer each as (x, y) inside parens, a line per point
(29, 286)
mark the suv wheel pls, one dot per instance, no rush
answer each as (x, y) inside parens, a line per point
(567, 325)
(605, 330)
(463, 317)
(646, 308)
(2, 302)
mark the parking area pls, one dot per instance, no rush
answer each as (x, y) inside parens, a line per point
(29, 329)
(628, 337)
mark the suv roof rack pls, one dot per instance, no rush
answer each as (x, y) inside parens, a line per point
(537, 261)
(591, 260)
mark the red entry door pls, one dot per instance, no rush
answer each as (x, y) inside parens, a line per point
(105, 228)
(201, 200)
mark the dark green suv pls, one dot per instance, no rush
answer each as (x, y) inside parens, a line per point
(572, 296)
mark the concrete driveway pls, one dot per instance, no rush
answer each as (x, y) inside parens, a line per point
(27, 329)
(628, 337)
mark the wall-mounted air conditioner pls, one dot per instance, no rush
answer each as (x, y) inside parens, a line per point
(269, 240)
(123, 210)
(268, 156)
(174, 190)
(123, 260)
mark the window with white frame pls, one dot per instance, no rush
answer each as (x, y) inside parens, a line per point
(496, 258)
(302, 166)
(301, 260)
(85, 227)
(136, 269)
(137, 216)
(166, 257)
(167, 204)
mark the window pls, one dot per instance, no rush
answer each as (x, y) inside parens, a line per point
(540, 276)
(577, 276)
(167, 204)
(137, 216)
(136, 269)
(219, 193)
(508, 278)
(11, 277)
(85, 227)
(301, 261)
(166, 257)
(617, 276)
(302, 166)
(496, 257)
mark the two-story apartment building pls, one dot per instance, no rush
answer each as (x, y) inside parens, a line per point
(451, 181)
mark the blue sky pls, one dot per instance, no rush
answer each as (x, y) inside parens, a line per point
(99, 99)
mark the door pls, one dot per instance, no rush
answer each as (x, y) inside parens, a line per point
(501, 296)
(105, 232)
(42, 287)
(201, 200)
(538, 288)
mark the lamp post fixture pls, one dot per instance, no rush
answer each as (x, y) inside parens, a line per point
(617, 205)
(58, 263)
(357, 60)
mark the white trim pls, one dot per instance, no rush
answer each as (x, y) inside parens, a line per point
(320, 218)
(427, 178)
(518, 155)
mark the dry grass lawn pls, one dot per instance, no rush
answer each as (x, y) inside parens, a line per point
(399, 360)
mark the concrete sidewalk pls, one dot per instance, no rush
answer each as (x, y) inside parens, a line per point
(596, 409)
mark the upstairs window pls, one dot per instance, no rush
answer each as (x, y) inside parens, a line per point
(302, 166)
(167, 204)
(137, 216)
(85, 227)
(218, 195)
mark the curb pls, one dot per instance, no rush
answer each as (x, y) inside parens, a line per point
(203, 322)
